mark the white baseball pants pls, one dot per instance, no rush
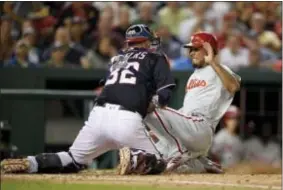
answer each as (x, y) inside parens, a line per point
(179, 133)
(109, 128)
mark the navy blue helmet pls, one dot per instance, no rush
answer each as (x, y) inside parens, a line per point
(139, 33)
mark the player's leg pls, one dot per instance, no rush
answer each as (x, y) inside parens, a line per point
(142, 157)
(90, 143)
(200, 164)
(190, 135)
(186, 132)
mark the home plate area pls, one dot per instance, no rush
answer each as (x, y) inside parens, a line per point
(235, 181)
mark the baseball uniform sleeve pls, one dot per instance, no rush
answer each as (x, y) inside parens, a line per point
(108, 72)
(163, 79)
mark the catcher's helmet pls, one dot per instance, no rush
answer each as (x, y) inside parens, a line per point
(139, 33)
(198, 39)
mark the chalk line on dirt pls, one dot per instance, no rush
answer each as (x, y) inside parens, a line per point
(199, 183)
(129, 179)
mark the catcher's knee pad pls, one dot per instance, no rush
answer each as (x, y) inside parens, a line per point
(51, 163)
(146, 163)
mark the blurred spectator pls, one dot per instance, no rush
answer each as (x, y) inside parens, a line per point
(265, 54)
(27, 23)
(278, 29)
(254, 58)
(81, 9)
(244, 12)
(146, 14)
(227, 147)
(172, 15)
(45, 28)
(116, 9)
(54, 7)
(260, 25)
(229, 24)
(271, 13)
(99, 57)
(169, 44)
(20, 11)
(218, 10)
(124, 21)
(39, 11)
(233, 55)
(30, 38)
(266, 38)
(198, 22)
(262, 149)
(75, 51)
(6, 40)
(77, 31)
(104, 30)
(277, 66)
(58, 53)
(20, 59)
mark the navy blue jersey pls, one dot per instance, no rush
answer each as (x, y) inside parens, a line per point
(135, 76)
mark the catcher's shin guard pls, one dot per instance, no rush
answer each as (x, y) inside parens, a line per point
(133, 161)
(51, 163)
(15, 165)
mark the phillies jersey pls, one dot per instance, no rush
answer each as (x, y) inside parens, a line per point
(205, 94)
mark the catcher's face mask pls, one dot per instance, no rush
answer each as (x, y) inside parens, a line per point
(155, 43)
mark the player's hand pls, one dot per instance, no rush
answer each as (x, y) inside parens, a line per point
(151, 107)
(210, 54)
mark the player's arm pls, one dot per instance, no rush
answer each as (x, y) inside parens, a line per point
(164, 81)
(230, 80)
(109, 70)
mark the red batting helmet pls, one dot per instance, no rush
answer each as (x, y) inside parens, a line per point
(199, 38)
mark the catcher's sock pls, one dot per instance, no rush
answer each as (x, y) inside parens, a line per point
(61, 162)
(33, 164)
(65, 158)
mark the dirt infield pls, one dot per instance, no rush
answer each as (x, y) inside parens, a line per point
(254, 181)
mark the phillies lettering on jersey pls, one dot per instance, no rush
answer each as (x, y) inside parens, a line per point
(206, 94)
(193, 83)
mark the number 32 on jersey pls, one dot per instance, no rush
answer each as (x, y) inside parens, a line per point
(125, 76)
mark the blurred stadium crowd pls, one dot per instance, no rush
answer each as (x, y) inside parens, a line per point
(87, 34)
(258, 146)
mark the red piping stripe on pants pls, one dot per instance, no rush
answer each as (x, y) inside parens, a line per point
(173, 111)
(162, 124)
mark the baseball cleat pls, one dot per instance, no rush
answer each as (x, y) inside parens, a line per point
(15, 166)
(124, 167)
(210, 166)
(175, 162)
